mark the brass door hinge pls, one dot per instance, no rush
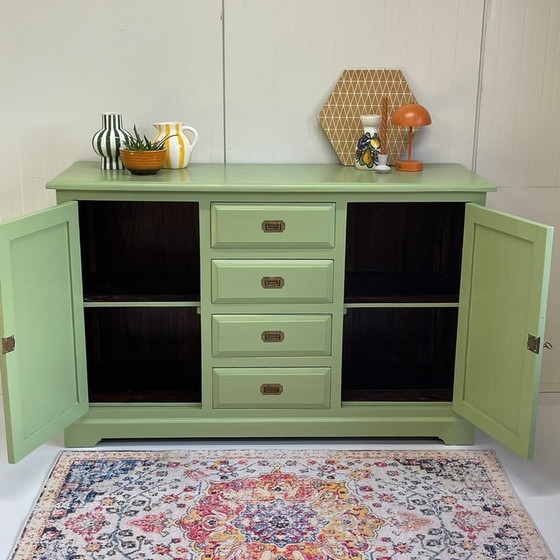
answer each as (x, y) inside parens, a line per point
(533, 343)
(8, 344)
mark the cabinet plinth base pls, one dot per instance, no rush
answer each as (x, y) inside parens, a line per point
(430, 421)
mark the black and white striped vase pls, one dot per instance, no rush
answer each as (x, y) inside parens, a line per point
(107, 141)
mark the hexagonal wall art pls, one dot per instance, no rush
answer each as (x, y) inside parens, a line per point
(362, 92)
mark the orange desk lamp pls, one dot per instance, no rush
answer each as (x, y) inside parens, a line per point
(413, 116)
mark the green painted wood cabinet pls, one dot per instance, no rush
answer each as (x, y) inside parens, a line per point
(271, 301)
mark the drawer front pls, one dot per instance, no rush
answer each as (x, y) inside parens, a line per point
(273, 225)
(271, 335)
(272, 281)
(271, 387)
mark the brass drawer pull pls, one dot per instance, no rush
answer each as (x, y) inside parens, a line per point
(272, 389)
(272, 336)
(272, 282)
(273, 226)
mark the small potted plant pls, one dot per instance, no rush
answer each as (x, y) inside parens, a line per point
(142, 156)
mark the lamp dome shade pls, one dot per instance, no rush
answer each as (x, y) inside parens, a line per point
(411, 114)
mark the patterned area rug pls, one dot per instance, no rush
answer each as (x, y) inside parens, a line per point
(278, 505)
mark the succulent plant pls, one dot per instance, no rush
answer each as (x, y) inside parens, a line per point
(138, 143)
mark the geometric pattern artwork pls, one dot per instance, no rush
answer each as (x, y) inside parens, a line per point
(361, 92)
(279, 504)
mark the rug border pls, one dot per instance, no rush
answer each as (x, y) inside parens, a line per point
(25, 522)
(65, 458)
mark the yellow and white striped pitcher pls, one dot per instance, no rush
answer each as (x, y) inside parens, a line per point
(179, 145)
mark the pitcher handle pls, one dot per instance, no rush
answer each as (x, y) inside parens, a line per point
(194, 134)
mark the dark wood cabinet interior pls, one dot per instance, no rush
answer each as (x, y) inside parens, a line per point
(141, 279)
(403, 252)
(400, 259)
(149, 253)
(143, 354)
(140, 251)
(399, 354)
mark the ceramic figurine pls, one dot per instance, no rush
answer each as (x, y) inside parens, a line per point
(382, 166)
(367, 147)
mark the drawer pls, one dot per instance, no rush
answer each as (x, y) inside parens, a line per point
(272, 281)
(273, 225)
(271, 335)
(271, 387)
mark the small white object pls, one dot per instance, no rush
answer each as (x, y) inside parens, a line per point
(382, 169)
(382, 166)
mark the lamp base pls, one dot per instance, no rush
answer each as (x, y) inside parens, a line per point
(409, 165)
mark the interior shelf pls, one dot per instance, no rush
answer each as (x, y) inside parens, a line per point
(397, 287)
(376, 382)
(143, 354)
(147, 287)
(140, 251)
(136, 382)
(399, 354)
(403, 252)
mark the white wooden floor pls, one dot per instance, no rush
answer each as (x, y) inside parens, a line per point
(537, 482)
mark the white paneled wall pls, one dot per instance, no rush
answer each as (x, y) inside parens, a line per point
(541, 204)
(519, 144)
(283, 59)
(64, 63)
(252, 75)
(518, 140)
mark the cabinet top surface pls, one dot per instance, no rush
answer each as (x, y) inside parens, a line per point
(87, 175)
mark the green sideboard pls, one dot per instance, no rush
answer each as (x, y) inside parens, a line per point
(240, 300)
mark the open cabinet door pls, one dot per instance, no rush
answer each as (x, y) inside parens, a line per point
(42, 327)
(502, 305)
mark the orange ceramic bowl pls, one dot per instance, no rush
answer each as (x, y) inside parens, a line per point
(147, 162)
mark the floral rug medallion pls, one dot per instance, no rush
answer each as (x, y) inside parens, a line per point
(278, 504)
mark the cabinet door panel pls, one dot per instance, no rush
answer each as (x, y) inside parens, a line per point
(504, 285)
(44, 376)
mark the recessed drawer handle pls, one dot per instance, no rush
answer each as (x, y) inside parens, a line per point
(273, 226)
(272, 282)
(272, 336)
(272, 389)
